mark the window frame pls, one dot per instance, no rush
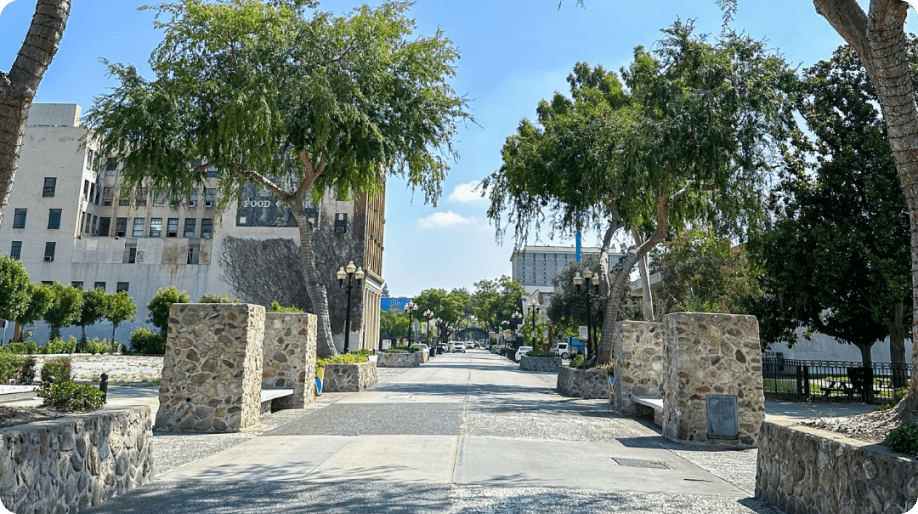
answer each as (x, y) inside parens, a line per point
(51, 219)
(47, 190)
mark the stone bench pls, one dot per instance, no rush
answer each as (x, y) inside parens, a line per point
(268, 397)
(655, 404)
(15, 393)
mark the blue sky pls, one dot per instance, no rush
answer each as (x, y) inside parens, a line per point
(514, 53)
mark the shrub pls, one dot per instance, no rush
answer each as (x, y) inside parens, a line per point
(215, 298)
(59, 368)
(346, 358)
(58, 345)
(144, 340)
(9, 364)
(276, 307)
(898, 395)
(365, 351)
(25, 373)
(904, 438)
(577, 362)
(161, 303)
(95, 346)
(21, 348)
(70, 396)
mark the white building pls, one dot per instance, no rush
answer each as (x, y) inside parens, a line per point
(69, 220)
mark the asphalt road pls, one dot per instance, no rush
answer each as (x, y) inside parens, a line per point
(463, 433)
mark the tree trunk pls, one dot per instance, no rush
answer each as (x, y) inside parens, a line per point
(880, 42)
(17, 332)
(897, 348)
(17, 89)
(318, 296)
(866, 357)
(643, 269)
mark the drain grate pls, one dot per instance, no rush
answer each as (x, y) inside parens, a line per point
(641, 463)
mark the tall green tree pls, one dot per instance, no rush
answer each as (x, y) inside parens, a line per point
(160, 304)
(119, 307)
(296, 101)
(690, 142)
(394, 324)
(497, 300)
(568, 306)
(40, 299)
(65, 308)
(93, 309)
(19, 85)
(15, 286)
(836, 258)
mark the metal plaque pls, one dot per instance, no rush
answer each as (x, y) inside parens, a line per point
(722, 417)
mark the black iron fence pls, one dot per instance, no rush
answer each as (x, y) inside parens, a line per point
(830, 380)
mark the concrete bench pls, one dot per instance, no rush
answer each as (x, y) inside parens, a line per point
(269, 395)
(15, 393)
(655, 404)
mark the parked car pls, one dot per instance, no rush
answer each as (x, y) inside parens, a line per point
(561, 350)
(442, 348)
(458, 347)
(523, 350)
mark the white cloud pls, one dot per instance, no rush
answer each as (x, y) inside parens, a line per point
(447, 219)
(467, 193)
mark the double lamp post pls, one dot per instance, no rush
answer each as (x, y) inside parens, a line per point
(590, 278)
(351, 272)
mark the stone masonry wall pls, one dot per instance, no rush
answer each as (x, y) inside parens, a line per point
(806, 471)
(544, 364)
(398, 360)
(346, 378)
(711, 354)
(69, 464)
(588, 384)
(638, 363)
(290, 357)
(212, 368)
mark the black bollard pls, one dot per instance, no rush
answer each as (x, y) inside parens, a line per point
(103, 386)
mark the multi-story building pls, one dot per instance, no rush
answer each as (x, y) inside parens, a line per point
(536, 266)
(71, 220)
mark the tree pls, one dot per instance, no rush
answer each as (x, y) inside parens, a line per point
(15, 286)
(295, 102)
(705, 273)
(40, 299)
(495, 301)
(119, 307)
(690, 142)
(568, 308)
(161, 303)
(836, 258)
(65, 308)
(19, 85)
(393, 324)
(93, 309)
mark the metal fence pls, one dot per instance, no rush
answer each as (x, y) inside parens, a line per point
(831, 380)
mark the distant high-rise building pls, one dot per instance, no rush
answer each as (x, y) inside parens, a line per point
(535, 266)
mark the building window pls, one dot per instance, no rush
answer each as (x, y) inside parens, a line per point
(90, 157)
(77, 284)
(193, 198)
(124, 198)
(49, 251)
(99, 285)
(47, 282)
(156, 227)
(340, 223)
(54, 219)
(138, 227)
(190, 224)
(120, 227)
(159, 200)
(93, 197)
(141, 196)
(207, 228)
(111, 165)
(88, 224)
(50, 186)
(122, 286)
(104, 225)
(172, 227)
(130, 254)
(194, 251)
(210, 197)
(212, 172)
(86, 189)
(95, 226)
(16, 250)
(19, 218)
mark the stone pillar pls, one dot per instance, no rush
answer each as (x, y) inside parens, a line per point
(712, 359)
(212, 369)
(290, 357)
(638, 363)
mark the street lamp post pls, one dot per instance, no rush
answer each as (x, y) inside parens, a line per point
(411, 307)
(534, 310)
(590, 278)
(350, 273)
(428, 314)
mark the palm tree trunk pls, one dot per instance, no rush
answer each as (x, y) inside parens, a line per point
(880, 42)
(17, 89)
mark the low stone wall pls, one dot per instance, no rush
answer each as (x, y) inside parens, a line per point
(588, 384)
(212, 368)
(398, 360)
(72, 463)
(546, 364)
(807, 471)
(290, 357)
(346, 378)
(716, 359)
(424, 356)
(638, 363)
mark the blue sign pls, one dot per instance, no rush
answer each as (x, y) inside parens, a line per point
(396, 305)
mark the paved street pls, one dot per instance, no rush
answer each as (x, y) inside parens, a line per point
(463, 433)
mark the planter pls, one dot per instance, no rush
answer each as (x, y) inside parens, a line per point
(804, 470)
(398, 360)
(588, 384)
(72, 463)
(542, 364)
(349, 378)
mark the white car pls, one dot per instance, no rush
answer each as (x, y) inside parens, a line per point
(523, 350)
(458, 347)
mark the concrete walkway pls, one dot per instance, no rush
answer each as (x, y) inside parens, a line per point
(463, 433)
